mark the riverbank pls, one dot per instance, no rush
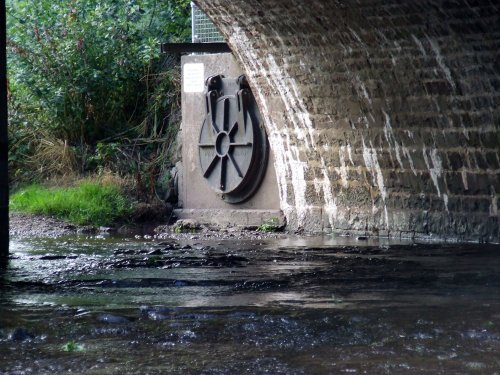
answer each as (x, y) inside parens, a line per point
(24, 225)
(28, 225)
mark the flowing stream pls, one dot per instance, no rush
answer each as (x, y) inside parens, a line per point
(314, 305)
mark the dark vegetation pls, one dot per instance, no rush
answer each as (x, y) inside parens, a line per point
(91, 96)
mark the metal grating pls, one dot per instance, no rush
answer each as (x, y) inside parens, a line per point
(203, 30)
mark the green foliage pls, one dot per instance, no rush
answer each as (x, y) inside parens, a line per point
(270, 226)
(265, 227)
(89, 72)
(88, 203)
(72, 346)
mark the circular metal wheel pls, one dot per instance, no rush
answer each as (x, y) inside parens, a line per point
(233, 147)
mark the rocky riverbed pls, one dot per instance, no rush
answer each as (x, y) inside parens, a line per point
(27, 225)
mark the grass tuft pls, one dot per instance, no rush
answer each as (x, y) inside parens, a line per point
(88, 203)
(269, 226)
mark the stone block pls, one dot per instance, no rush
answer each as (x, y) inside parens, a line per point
(489, 140)
(455, 160)
(492, 159)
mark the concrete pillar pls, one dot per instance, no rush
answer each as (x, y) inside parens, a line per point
(4, 180)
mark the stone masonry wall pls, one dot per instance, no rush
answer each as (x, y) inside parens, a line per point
(384, 115)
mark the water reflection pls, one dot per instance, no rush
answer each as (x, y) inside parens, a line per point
(288, 306)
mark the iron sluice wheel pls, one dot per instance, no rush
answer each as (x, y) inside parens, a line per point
(233, 147)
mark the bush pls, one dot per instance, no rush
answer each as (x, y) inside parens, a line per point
(88, 72)
(89, 203)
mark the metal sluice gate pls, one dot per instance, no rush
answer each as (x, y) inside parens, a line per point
(233, 147)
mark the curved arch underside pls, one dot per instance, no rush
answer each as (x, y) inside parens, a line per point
(384, 116)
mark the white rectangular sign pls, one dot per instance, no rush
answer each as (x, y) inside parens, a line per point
(194, 78)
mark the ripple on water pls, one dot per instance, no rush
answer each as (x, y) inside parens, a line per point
(279, 306)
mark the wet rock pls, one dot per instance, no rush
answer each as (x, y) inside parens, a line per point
(162, 229)
(155, 252)
(187, 224)
(21, 334)
(52, 257)
(87, 230)
(156, 312)
(64, 311)
(167, 243)
(155, 315)
(188, 334)
(112, 319)
(106, 230)
(123, 251)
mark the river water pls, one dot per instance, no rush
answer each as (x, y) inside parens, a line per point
(316, 305)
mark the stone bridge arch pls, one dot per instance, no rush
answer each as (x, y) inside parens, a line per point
(384, 116)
